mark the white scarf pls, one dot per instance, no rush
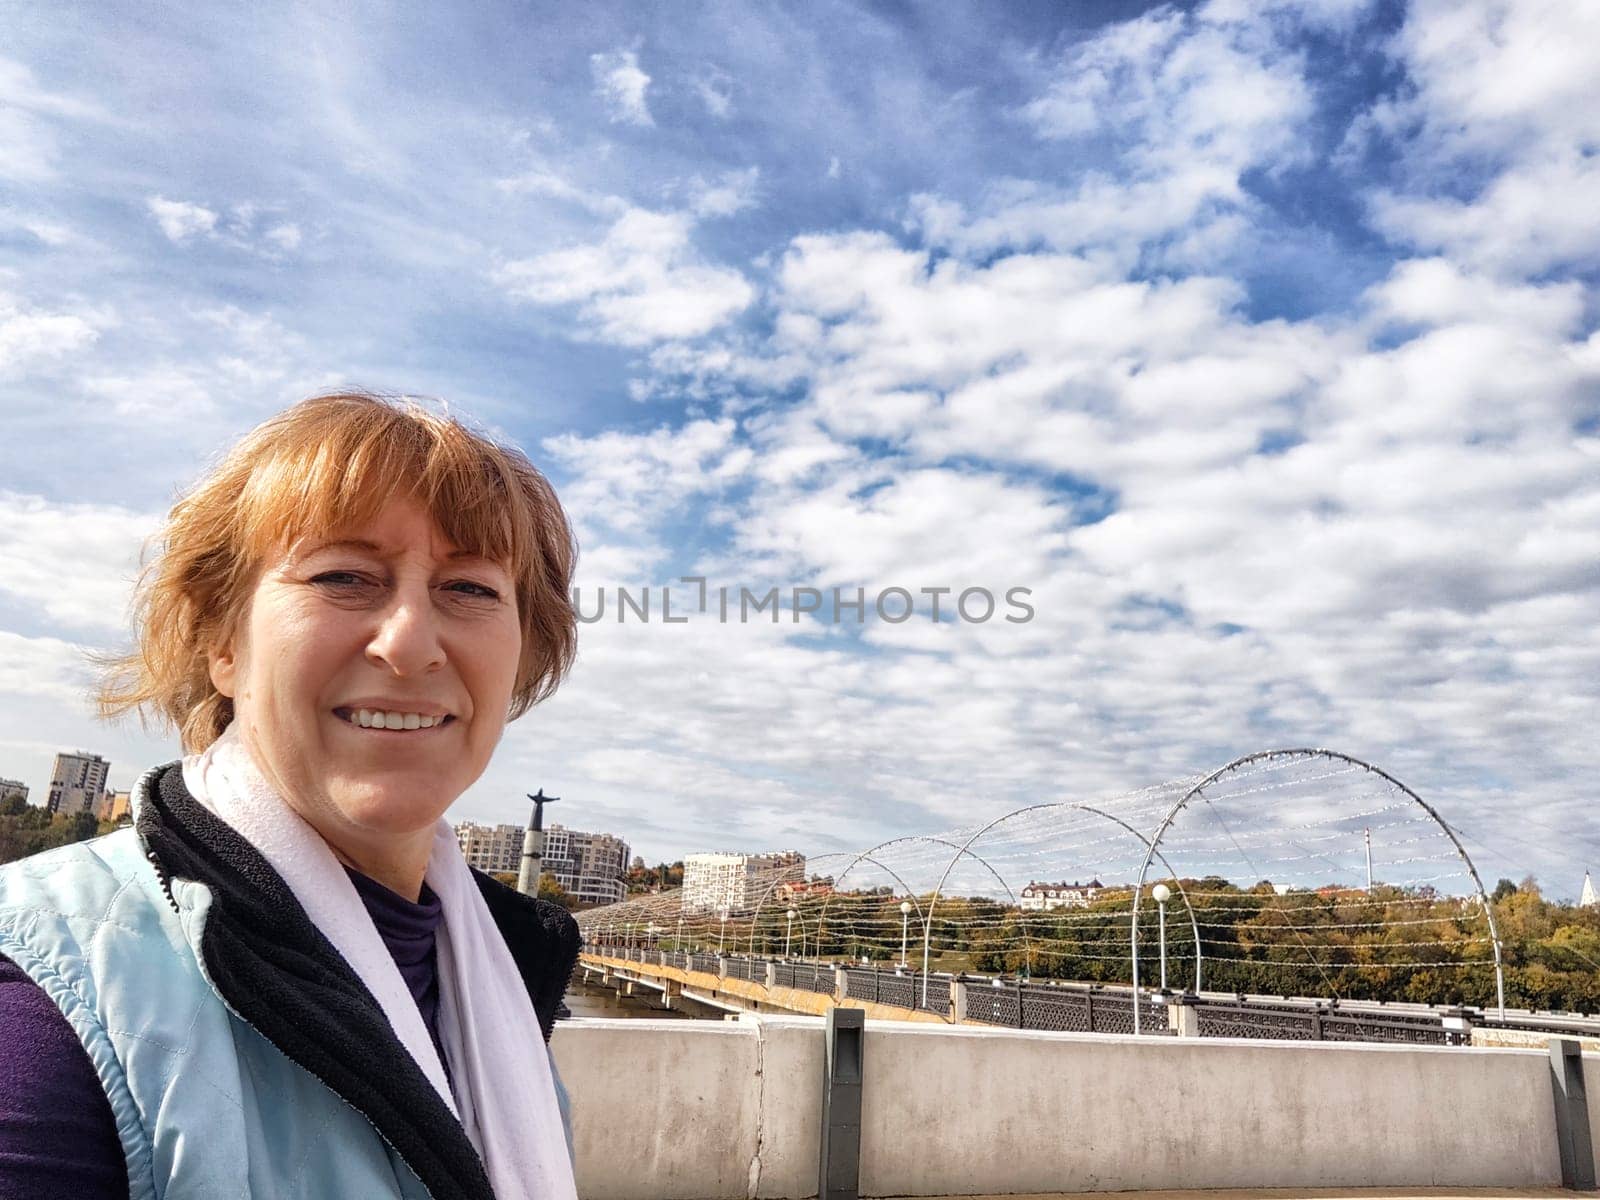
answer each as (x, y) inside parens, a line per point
(504, 1095)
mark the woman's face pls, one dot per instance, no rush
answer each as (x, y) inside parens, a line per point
(346, 638)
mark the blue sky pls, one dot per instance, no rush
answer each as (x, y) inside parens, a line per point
(1257, 339)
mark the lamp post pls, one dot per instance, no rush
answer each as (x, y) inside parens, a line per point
(1161, 893)
(788, 933)
(724, 931)
(905, 918)
(679, 945)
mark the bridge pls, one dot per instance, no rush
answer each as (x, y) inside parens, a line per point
(1287, 872)
(719, 984)
(1225, 996)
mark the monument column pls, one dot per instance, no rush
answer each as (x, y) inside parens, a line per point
(533, 846)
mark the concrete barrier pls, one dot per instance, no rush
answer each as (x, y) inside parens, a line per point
(677, 1110)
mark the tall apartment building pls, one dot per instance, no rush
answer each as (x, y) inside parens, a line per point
(13, 787)
(491, 848)
(78, 782)
(737, 882)
(588, 866)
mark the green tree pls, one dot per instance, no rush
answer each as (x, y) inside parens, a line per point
(552, 891)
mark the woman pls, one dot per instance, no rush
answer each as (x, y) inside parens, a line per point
(284, 981)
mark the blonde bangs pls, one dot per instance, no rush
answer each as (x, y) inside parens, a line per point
(326, 465)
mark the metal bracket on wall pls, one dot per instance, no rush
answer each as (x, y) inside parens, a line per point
(1572, 1115)
(839, 1163)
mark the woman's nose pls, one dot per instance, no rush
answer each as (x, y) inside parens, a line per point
(407, 639)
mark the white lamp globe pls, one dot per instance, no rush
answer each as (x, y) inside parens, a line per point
(1161, 893)
(905, 908)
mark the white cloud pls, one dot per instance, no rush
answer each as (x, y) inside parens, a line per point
(43, 668)
(1499, 94)
(1513, 77)
(644, 282)
(285, 237)
(30, 338)
(627, 483)
(71, 563)
(180, 219)
(550, 184)
(622, 85)
(731, 192)
(1438, 292)
(1184, 104)
(715, 90)
(46, 231)
(1532, 218)
(31, 117)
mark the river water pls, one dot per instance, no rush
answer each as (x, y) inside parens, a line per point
(602, 1002)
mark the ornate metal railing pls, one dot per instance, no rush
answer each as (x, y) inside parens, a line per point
(994, 1004)
(899, 989)
(1062, 1009)
(1322, 1023)
(935, 997)
(814, 977)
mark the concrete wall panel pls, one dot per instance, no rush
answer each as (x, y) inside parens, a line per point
(661, 1110)
(791, 1093)
(957, 1111)
(679, 1110)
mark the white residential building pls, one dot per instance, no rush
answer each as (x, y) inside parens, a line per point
(491, 848)
(78, 782)
(13, 787)
(736, 883)
(1047, 897)
(588, 866)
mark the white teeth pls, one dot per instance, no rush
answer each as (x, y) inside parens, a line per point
(371, 719)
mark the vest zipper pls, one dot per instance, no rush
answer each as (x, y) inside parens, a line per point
(141, 791)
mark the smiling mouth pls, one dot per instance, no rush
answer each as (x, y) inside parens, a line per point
(390, 722)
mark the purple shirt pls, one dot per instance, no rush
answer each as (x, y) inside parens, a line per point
(58, 1140)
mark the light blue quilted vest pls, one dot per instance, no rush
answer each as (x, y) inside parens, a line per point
(206, 1107)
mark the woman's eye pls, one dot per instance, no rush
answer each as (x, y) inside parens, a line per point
(468, 588)
(343, 579)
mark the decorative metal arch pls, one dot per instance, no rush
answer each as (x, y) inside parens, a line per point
(926, 922)
(856, 860)
(1264, 755)
(1088, 808)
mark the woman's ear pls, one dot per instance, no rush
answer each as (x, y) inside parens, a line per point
(223, 669)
